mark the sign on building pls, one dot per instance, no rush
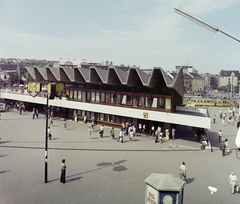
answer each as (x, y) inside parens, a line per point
(59, 89)
(34, 88)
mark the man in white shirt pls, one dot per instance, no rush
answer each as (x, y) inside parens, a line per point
(220, 136)
(233, 181)
(183, 171)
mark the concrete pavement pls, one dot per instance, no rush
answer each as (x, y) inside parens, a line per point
(102, 170)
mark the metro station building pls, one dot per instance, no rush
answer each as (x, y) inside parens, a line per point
(116, 94)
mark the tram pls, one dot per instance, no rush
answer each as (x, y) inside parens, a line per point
(210, 102)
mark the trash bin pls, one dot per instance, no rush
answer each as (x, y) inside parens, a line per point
(164, 189)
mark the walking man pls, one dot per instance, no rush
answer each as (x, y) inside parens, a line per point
(222, 147)
(183, 171)
(214, 118)
(51, 121)
(89, 133)
(101, 131)
(173, 133)
(233, 182)
(220, 136)
(140, 128)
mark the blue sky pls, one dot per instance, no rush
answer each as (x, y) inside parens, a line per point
(136, 32)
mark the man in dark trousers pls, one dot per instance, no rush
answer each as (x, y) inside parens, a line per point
(222, 147)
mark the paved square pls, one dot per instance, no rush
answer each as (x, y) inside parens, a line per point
(101, 170)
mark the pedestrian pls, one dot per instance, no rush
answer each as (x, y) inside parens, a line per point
(112, 133)
(89, 133)
(156, 136)
(222, 147)
(214, 118)
(51, 121)
(34, 113)
(120, 139)
(131, 135)
(92, 126)
(123, 126)
(101, 131)
(85, 119)
(63, 171)
(160, 136)
(76, 118)
(220, 136)
(37, 113)
(126, 128)
(220, 113)
(173, 133)
(64, 124)
(20, 110)
(167, 134)
(223, 119)
(152, 130)
(144, 129)
(183, 171)
(233, 182)
(93, 120)
(49, 132)
(227, 145)
(140, 128)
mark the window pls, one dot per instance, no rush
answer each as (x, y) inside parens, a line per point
(160, 103)
(107, 97)
(97, 97)
(71, 94)
(154, 102)
(123, 99)
(93, 96)
(148, 100)
(141, 101)
(168, 103)
(88, 96)
(113, 98)
(67, 92)
(135, 101)
(80, 113)
(83, 96)
(118, 99)
(102, 97)
(129, 100)
(75, 94)
(79, 95)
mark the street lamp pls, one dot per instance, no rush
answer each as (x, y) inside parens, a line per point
(44, 89)
(203, 23)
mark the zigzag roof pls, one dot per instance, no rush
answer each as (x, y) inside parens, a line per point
(113, 76)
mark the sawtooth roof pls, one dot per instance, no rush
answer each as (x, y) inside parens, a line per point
(112, 75)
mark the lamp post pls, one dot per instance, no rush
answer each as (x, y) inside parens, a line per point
(203, 23)
(46, 140)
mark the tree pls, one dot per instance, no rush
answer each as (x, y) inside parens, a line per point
(14, 78)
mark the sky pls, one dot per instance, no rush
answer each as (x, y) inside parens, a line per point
(130, 32)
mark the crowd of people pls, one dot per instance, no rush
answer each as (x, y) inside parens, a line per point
(228, 117)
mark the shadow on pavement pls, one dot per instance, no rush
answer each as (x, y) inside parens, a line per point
(3, 155)
(73, 179)
(4, 142)
(190, 180)
(2, 172)
(102, 165)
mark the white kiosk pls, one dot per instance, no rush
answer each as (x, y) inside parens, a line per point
(164, 189)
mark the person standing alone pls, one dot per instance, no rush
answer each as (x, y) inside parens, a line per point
(183, 171)
(233, 182)
(63, 171)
